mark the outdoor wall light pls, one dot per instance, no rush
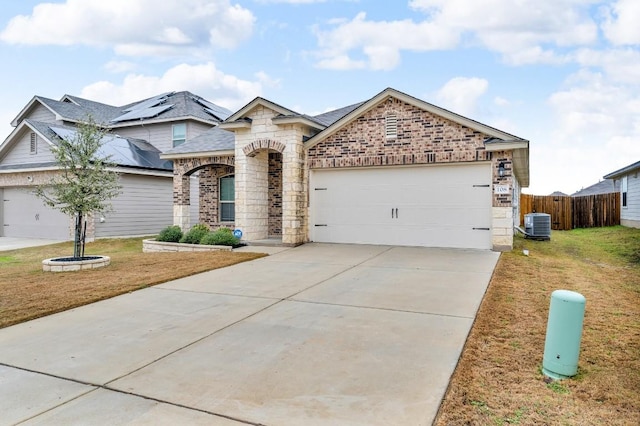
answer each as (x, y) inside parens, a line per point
(501, 169)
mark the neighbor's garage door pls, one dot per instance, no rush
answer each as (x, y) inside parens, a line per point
(433, 206)
(26, 216)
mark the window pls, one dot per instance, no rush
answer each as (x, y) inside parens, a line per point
(33, 147)
(623, 190)
(179, 134)
(391, 126)
(227, 199)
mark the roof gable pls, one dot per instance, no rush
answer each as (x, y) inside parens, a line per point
(389, 92)
(245, 110)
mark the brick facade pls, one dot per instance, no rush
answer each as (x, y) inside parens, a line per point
(422, 138)
(209, 183)
(211, 169)
(275, 194)
(272, 165)
(418, 137)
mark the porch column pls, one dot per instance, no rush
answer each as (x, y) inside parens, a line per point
(181, 200)
(252, 195)
(293, 194)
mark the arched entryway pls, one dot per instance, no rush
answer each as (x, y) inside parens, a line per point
(215, 182)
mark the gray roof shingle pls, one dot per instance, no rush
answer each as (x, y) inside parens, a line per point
(215, 139)
(603, 187)
(330, 117)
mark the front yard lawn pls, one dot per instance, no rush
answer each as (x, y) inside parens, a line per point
(26, 292)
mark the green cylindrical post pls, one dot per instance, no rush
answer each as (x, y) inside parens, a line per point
(564, 332)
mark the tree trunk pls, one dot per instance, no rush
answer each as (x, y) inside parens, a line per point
(77, 240)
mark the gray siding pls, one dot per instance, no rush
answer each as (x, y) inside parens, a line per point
(144, 207)
(632, 211)
(21, 151)
(160, 135)
(42, 113)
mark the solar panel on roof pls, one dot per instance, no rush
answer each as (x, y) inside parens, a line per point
(213, 109)
(122, 151)
(145, 113)
(150, 102)
(64, 133)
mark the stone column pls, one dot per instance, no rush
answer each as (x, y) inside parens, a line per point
(252, 195)
(293, 193)
(181, 200)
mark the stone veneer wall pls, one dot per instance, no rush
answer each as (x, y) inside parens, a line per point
(252, 177)
(422, 138)
(275, 194)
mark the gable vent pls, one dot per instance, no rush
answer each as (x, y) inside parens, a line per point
(33, 146)
(391, 126)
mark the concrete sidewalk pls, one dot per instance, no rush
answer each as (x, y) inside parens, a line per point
(321, 334)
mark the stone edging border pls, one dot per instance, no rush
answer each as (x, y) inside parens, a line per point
(51, 265)
(153, 246)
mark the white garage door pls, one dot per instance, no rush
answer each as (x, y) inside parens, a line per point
(26, 216)
(432, 206)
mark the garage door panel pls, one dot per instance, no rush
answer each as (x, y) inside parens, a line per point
(26, 216)
(422, 206)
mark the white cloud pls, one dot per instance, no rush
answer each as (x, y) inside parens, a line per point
(621, 65)
(204, 80)
(380, 41)
(119, 66)
(133, 27)
(597, 125)
(500, 101)
(524, 32)
(461, 94)
(621, 25)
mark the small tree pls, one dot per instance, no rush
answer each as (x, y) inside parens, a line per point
(86, 182)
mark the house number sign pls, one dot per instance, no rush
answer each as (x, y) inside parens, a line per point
(501, 189)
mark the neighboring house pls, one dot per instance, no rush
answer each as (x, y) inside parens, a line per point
(138, 133)
(558, 194)
(629, 194)
(391, 170)
(606, 186)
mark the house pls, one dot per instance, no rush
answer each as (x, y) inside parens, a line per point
(393, 170)
(558, 194)
(605, 186)
(629, 194)
(138, 133)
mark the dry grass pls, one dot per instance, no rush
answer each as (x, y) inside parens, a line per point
(498, 379)
(26, 292)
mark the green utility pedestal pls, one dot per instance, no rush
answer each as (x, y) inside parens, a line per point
(564, 331)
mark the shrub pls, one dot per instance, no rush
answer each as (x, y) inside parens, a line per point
(195, 234)
(171, 234)
(221, 237)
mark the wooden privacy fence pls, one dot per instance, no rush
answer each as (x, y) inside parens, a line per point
(590, 211)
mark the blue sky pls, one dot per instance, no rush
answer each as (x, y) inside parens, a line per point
(564, 74)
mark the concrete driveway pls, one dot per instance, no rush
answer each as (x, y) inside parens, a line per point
(321, 334)
(11, 243)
